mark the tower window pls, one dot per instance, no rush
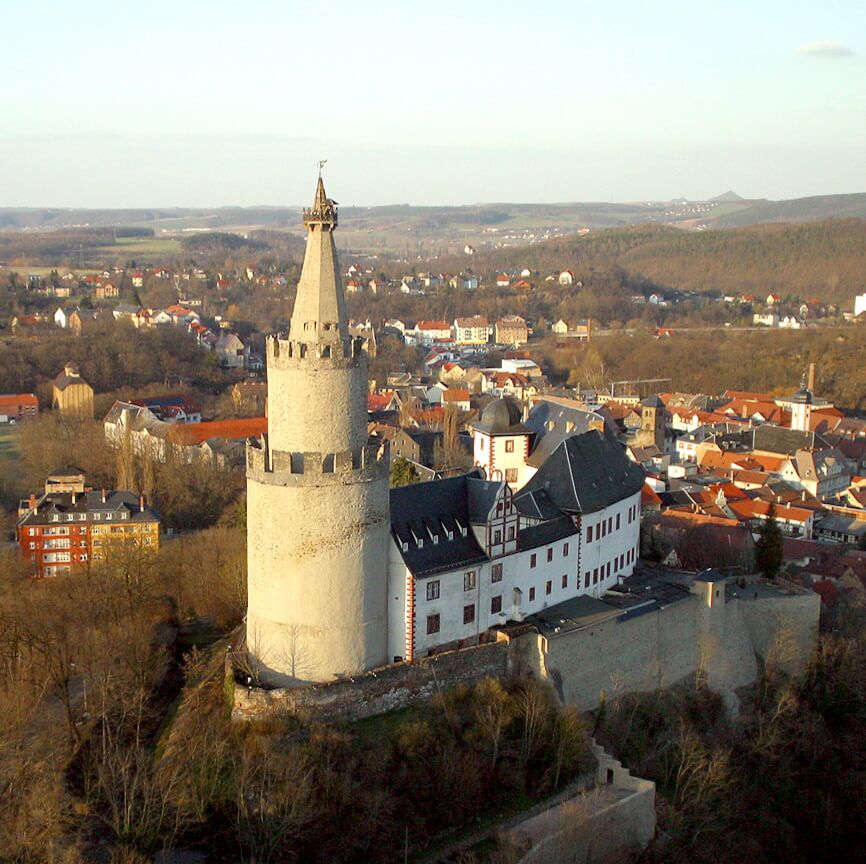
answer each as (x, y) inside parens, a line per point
(496, 573)
(469, 613)
(469, 580)
(432, 624)
(509, 446)
(496, 604)
(433, 589)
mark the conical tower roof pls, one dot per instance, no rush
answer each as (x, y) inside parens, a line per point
(320, 306)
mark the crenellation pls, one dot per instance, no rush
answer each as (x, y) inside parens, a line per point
(284, 353)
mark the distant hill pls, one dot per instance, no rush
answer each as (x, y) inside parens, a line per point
(795, 210)
(823, 259)
(727, 197)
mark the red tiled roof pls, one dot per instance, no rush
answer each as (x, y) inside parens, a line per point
(754, 508)
(456, 394)
(196, 433)
(433, 325)
(649, 496)
(13, 400)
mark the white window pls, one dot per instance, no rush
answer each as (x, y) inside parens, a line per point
(31, 531)
(469, 580)
(433, 589)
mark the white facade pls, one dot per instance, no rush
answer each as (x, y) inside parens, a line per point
(503, 457)
(460, 604)
(471, 331)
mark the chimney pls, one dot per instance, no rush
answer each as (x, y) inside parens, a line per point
(588, 329)
(31, 501)
(812, 377)
(103, 496)
(73, 497)
(141, 502)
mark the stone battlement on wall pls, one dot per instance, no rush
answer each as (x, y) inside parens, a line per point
(275, 466)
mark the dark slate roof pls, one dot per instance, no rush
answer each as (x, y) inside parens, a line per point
(545, 532)
(536, 505)
(424, 438)
(88, 504)
(482, 497)
(65, 471)
(62, 381)
(587, 473)
(777, 439)
(501, 417)
(709, 576)
(566, 420)
(423, 511)
(652, 402)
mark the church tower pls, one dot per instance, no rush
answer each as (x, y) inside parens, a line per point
(801, 408)
(317, 490)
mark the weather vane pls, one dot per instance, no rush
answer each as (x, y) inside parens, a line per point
(321, 165)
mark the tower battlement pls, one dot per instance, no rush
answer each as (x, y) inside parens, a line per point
(279, 468)
(283, 352)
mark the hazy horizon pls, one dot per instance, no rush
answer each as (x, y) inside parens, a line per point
(210, 104)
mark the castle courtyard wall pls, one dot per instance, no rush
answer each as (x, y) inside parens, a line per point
(386, 689)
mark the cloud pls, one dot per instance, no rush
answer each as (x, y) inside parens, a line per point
(825, 48)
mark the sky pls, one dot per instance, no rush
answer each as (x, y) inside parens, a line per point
(189, 103)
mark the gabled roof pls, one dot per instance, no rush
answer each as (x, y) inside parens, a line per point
(424, 511)
(587, 473)
(552, 422)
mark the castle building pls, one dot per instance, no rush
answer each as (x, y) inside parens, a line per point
(317, 490)
(469, 553)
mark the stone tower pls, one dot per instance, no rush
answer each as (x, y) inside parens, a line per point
(652, 425)
(317, 490)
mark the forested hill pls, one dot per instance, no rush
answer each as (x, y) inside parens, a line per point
(822, 259)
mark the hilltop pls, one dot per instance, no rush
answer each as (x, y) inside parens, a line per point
(823, 259)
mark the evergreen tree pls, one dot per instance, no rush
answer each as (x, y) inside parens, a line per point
(403, 473)
(768, 549)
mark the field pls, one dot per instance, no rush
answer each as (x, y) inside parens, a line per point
(138, 249)
(8, 442)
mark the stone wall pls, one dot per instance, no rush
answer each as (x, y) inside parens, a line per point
(783, 630)
(616, 815)
(647, 652)
(380, 690)
(722, 640)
